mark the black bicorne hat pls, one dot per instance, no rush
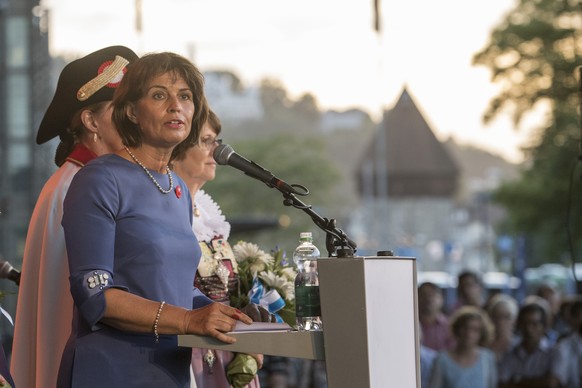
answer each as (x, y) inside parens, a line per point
(83, 82)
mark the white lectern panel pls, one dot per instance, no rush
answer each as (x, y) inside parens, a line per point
(369, 317)
(391, 326)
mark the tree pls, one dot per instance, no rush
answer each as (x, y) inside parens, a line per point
(274, 98)
(306, 108)
(284, 114)
(533, 53)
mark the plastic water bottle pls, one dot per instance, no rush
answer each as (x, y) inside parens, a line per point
(307, 304)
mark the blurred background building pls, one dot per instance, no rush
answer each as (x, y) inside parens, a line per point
(26, 86)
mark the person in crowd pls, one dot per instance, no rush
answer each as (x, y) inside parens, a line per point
(470, 290)
(468, 363)
(528, 363)
(427, 357)
(551, 334)
(132, 253)
(502, 310)
(553, 296)
(280, 372)
(217, 275)
(433, 322)
(568, 359)
(563, 322)
(80, 114)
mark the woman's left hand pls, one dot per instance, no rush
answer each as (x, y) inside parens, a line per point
(214, 320)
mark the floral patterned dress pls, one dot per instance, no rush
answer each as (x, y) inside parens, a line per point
(217, 277)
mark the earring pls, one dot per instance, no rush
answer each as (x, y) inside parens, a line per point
(95, 137)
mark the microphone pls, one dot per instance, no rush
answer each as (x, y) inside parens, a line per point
(7, 271)
(224, 154)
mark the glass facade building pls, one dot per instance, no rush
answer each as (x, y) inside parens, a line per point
(26, 85)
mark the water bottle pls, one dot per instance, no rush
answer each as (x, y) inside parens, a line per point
(307, 305)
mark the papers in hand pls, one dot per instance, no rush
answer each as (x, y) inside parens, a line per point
(260, 326)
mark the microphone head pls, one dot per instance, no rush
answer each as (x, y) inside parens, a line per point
(222, 153)
(5, 269)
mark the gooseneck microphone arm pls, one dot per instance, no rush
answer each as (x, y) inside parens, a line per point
(335, 237)
(338, 244)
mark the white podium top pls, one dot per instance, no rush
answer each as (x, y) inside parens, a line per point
(308, 345)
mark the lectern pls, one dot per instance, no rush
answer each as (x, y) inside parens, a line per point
(370, 325)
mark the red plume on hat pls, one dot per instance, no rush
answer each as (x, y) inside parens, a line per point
(84, 82)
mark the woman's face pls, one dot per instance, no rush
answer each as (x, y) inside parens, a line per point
(164, 114)
(533, 326)
(198, 165)
(430, 300)
(471, 291)
(470, 332)
(502, 319)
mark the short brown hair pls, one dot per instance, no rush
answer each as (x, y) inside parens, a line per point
(466, 313)
(134, 84)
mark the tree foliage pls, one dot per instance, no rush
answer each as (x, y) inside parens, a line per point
(288, 115)
(533, 54)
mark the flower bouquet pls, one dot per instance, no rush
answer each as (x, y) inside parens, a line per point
(266, 279)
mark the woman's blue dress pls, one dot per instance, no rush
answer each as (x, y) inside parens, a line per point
(121, 231)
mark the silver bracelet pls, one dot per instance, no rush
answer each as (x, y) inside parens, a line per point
(158, 321)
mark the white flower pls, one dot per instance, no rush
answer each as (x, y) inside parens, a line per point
(271, 279)
(243, 250)
(289, 273)
(288, 290)
(258, 259)
(281, 283)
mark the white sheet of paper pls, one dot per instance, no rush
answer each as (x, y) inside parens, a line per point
(261, 326)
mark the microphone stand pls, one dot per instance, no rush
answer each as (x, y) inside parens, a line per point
(338, 244)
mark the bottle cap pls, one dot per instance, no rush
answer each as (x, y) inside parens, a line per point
(305, 235)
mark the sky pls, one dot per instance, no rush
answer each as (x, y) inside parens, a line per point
(324, 47)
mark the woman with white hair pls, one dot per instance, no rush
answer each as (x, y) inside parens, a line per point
(502, 309)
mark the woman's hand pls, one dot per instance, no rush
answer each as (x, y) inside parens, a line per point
(214, 320)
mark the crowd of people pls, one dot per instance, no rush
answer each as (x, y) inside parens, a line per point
(497, 341)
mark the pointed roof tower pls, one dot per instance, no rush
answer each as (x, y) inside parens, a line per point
(405, 159)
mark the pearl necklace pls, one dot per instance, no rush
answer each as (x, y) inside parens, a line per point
(151, 176)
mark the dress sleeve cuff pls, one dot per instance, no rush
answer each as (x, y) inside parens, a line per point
(87, 289)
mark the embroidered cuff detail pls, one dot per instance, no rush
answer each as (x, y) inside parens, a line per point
(87, 289)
